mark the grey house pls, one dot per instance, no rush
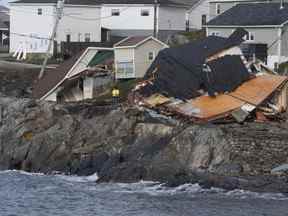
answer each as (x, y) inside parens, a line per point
(265, 22)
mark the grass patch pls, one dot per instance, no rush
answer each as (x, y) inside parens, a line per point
(124, 86)
(283, 68)
(195, 35)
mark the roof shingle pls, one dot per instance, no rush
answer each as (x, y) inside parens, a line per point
(131, 41)
(253, 14)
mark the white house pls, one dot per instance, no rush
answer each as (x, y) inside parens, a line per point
(136, 17)
(32, 21)
(134, 55)
(198, 14)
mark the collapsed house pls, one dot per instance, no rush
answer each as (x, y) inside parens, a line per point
(81, 77)
(210, 79)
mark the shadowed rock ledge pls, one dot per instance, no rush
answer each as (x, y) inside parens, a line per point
(126, 145)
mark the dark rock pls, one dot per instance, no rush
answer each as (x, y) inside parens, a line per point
(126, 146)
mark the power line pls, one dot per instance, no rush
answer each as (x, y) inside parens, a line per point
(92, 19)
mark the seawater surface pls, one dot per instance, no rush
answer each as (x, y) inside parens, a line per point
(24, 194)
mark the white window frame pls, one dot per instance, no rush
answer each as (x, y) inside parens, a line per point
(40, 11)
(249, 36)
(115, 12)
(218, 9)
(87, 37)
(153, 56)
(214, 33)
(145, 12)
(126, 71)
(79, 37)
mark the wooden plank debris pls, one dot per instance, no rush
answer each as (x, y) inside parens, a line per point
(256, 90)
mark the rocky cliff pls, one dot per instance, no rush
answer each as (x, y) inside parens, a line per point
(126, 145)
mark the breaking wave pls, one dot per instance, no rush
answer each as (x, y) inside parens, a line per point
(157, 189)
(154, 188)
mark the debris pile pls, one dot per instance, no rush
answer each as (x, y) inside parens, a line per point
(211, 80)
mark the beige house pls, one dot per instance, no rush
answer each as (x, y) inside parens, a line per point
(134, 55)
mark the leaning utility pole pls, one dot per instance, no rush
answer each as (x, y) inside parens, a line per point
(155, 32)
(58, 16)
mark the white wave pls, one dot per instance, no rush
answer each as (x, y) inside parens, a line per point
(81, 179)
(21, 172)
(157, 189)
(242, 194)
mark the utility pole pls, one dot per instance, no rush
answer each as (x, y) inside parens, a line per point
(58, 16)
(155, 32)
(281, 4)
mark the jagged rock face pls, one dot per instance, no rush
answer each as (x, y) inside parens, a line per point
(126, 146)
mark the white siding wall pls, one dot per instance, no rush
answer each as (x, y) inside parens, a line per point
(26, 21)
(195, 15)
(130, 17)
(78, 21)
(171, 18)
(83, 62)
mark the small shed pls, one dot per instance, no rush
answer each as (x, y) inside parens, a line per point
(134, 55)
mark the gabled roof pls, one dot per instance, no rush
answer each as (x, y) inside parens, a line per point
(253, 14)
(135, 41)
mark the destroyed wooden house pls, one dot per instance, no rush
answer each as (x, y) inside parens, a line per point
(209, 80)
(81, 77)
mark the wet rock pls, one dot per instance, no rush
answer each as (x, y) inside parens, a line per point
(123, 145)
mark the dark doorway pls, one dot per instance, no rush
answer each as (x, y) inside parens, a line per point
(68, 38)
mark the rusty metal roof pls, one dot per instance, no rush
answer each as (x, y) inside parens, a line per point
(155, 100)
(210, 107)
(256, 90)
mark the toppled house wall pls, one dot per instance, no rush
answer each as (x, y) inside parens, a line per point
(81, 77)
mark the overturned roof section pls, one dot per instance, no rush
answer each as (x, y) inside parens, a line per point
(52, 77)
(178, 71)
(253, 14)
(101, 57)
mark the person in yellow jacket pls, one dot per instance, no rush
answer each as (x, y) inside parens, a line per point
(115, 95)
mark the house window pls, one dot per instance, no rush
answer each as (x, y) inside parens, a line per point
(218, 9)
(203, 20)
(79, 37)
(68, 38)
(151, 56)
(215, 33)
(144, 12)
(250, 36)
(87, 37)
(115, 12)
(125, 69)
(39, 11)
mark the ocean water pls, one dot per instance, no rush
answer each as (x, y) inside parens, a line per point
(24, 194)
